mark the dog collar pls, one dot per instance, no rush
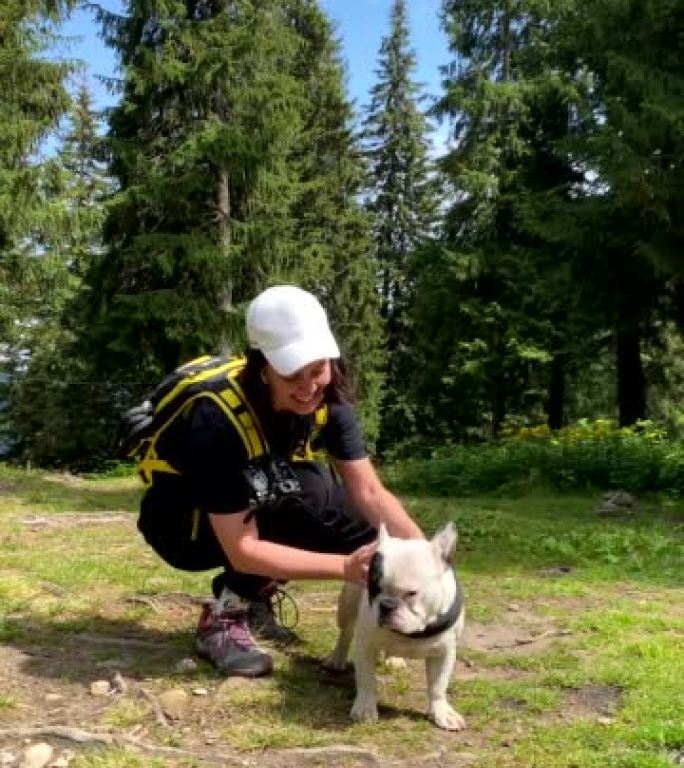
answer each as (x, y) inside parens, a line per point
(444, 621)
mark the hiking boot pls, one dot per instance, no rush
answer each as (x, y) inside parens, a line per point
(262, 620)
(224, 639)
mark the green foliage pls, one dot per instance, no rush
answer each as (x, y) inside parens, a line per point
(637, 138)
(588, 455)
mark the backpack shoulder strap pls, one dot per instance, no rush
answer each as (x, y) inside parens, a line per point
(309, 451)
(213, 378)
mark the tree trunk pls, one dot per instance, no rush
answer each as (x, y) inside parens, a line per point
(631, 385)
(556, 403)
(223, 206)
(498, 405)
(223, 217)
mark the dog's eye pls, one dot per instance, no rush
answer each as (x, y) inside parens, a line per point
(411, 594)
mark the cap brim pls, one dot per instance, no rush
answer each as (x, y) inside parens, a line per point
(290, 359)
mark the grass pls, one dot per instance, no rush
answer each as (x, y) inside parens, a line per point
(576, 657)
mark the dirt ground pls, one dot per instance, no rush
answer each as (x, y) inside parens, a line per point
(55, 703)
(121, 685)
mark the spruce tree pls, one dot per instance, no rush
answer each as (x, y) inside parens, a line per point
(331, 228)
(67, 386)
(237, 169)
(401, 200)
(198, 146)
(33, 98)
(635, 53)
(495, 309)
(84, 183)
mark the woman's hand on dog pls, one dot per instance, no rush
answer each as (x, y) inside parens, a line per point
(357, 564)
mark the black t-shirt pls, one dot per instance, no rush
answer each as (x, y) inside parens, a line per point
(212, 458)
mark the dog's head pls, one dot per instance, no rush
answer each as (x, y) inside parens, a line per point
(412, 585)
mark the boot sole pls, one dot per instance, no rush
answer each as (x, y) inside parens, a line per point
(238, 672)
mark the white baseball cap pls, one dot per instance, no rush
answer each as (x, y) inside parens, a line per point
(290, 328)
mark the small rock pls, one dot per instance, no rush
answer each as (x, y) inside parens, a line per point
(119, 684)
(6, 758)
(556, 570)
(618, 503)
(604, 720)
(51, 698)
(395, 662)
(200, 691)
(174, 703)
(186, 665)
(514, 607)
(60, 762)
(100, 688)
(37, 756)
(109, 663)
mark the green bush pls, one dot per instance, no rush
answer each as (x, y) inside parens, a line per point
(587, 455)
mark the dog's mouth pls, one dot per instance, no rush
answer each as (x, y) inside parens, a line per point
(395, 615)
(413, 625)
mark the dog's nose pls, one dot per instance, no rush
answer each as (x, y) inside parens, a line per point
(386, 606)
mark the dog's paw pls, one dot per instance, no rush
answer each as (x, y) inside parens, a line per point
(364, 710)
(444, 716)
(395, 662)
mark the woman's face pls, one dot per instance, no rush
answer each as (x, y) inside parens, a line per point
(302, 392)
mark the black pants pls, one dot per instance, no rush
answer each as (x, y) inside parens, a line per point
(319, 519)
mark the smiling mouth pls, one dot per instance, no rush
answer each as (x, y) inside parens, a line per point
(308, 400)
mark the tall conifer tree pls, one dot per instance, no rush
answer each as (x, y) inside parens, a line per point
(402, 202)
(67, 423)
(495, 305)
(237, 169)
(331, 228)
(33, 98)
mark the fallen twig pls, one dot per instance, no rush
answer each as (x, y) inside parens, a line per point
(59, 732)
(135, 642)
(332, 750)
(162, 719)
(148, 601)
(535, 639)
(220, 756)
(173, 597)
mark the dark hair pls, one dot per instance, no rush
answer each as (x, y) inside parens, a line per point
(338, 391)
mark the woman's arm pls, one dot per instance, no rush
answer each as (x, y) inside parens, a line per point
(250, 554)
(376, 503)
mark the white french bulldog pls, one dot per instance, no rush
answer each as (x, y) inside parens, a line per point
(413, 608)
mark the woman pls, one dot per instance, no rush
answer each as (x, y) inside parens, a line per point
(284, 516)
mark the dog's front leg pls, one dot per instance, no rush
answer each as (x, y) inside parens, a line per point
(438, 670)
(347, 610)
(365, 707)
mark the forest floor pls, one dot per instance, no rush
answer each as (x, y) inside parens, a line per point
(573, 654)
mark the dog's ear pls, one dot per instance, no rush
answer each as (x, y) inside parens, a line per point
(382, 535)
(444, 542)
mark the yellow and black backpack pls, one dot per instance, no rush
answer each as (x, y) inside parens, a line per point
(208, 377)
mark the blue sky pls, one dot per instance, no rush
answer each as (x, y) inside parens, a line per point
(361, 25)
